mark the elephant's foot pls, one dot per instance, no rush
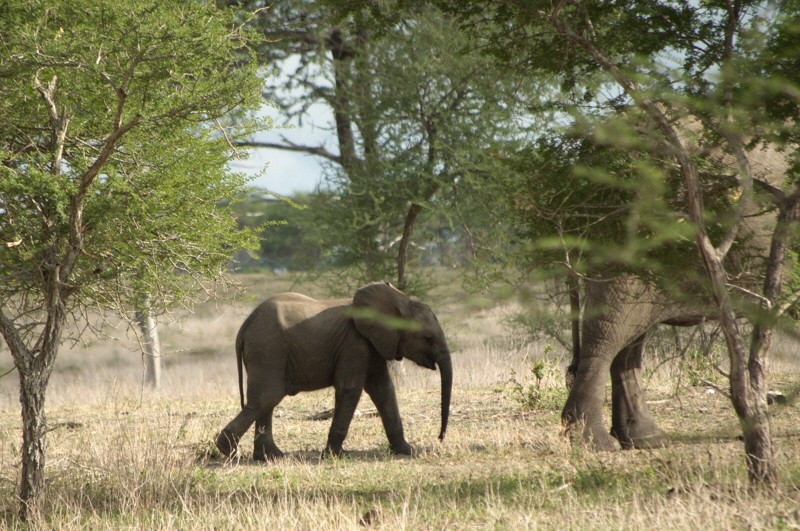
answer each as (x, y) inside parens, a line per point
(332, 451)
(597, 439)
(261, 454)
(265, 449)
(641, 435)
(402, 449)
(601, 441)
(594, 435)
(227, 443)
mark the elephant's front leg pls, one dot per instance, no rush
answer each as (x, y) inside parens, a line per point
(264, 445)
(583, 411)
(347, 397)
(380, 388)
(631, 422)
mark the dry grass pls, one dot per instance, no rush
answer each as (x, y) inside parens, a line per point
(122, 457)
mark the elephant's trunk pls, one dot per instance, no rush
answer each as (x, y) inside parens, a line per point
(446, 369)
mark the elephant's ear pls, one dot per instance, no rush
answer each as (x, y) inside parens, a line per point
(373, 304)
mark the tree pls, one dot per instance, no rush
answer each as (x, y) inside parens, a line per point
(287, 236)
(151, 344)
(653, 91)
(417, 123)
(690, 76)
(113, 142)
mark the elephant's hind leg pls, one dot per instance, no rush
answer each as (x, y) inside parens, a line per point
(227, 440)
(264, 445)
(265, 390)
(631, 422)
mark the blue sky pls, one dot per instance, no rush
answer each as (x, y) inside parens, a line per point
(286, 172)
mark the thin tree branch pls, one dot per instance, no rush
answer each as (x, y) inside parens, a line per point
(749, 293)
(78, 200)
(745, 181)
(289, 146)
(227, 138)
(719, 389)
(11, 335)
(58, 121)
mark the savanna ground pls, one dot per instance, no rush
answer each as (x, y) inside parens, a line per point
(123, 457)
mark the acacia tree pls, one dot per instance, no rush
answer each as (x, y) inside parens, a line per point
(416, 122)
(694, 80)
(667, 89)
(112, 168)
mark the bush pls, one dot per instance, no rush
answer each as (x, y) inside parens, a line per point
(544, 392)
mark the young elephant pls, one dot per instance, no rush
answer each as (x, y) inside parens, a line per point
(293, 343)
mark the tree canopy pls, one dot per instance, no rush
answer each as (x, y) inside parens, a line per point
(635, 81)
(666, 111)
(418, 123)
(116, 121)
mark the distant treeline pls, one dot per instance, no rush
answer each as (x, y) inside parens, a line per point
(292, 237)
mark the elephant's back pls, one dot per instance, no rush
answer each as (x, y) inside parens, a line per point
(297, 337)
(289, 309)
(294, 314)
(291, 297)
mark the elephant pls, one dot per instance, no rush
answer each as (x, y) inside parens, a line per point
(620, 310)
(292, 343)
(618, 313)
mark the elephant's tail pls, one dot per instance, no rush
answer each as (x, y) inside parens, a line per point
(446, 370)
(239, 353)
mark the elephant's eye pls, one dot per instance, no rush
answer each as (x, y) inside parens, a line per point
(429, 338)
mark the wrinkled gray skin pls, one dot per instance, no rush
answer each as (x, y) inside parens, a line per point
(293, 343)
(619, 312)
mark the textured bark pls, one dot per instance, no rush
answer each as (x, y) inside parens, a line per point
(34, 368)
(343, 54)
(752, 409)
(34, 441)
(402, 250)
(151, 349)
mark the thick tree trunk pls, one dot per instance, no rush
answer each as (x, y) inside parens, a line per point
(34, 441)
(343, 54)
(750, 404)
(402, 250)
(368, 266)
(754, 415)
(151, 346)
(34, 368)
(758, 448)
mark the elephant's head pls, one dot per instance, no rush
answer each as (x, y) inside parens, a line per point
(399, 327)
